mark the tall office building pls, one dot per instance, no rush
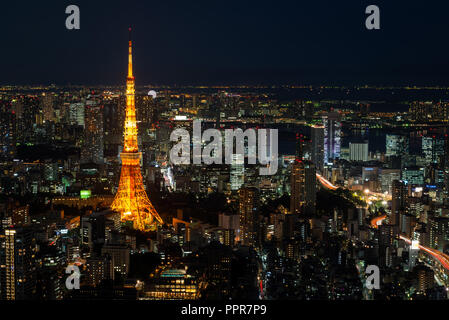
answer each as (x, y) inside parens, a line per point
(420, 111)
(358, 151)
(76, 114)
(237, 174)
(93, 146)
(387, 176)
(248, 206)
(439, 232)
(399, 197)
(17, 107)
(386, 237)
(48, 111)
(299, 148)
(231, 225)
(426, 278)
(317, 152)
(119, 255)
(303, 188)
(413, 175)
(432, 149)
(17, 264)
(112, 133)
(446, 163)
(98, 269)
(30, 107)
(396, 145)
(413, 255)
(21, 216)
(332, 136)
(8, 124)
(146, 112)
(110, 119)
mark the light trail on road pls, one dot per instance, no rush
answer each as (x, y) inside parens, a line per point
(438, 255)
(326, 183)
(377, 221)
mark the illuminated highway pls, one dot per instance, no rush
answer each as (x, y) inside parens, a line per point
(437, 255)
(377, 221)
(326, 183)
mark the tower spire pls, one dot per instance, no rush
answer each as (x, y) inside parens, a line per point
(130, 56)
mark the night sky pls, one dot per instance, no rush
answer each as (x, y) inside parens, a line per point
(225, 42)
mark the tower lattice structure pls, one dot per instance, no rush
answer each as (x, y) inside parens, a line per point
(131, 199)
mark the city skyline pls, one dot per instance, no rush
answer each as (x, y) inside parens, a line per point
(292, 152)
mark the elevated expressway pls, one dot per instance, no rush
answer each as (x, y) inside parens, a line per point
(438, 256)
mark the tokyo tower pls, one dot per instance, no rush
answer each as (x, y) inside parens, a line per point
(131, 199)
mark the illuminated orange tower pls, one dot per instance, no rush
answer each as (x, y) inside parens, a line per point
(131, 199)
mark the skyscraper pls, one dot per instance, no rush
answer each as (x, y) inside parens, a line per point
(396, 145)
(420, 111)
(17, 264)
(237, 174)
(399, 194)
(8, 124)
(432, 149)
(93, 146)
(387, 176)
(358, 151)
(48, 107)
(248, 202)
(303, 188)
(318, 146)
(76, 114)
(131, 199)
(332, 136)
(439, 232)
(426, 278)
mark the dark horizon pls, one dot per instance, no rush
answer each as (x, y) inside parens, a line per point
(211, 43)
